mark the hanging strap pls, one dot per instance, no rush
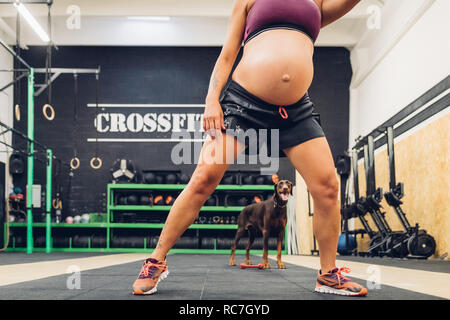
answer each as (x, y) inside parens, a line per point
(96, 161)
(75, 162)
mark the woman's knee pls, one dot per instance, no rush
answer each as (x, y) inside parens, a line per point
(204, 181)
(325, 190)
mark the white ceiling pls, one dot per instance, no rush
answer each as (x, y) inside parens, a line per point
(193, 23)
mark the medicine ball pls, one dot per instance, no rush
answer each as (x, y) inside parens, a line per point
(211, 201)
(85, 218)
(260, 180)
(184, 179)
(17, 190)
(16, 163)
(248, 179)
(132, 199)
(159, 179)
(149, 178)
(171, 178)
(345, 248)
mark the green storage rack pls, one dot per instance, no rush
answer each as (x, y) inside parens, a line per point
(109, 226)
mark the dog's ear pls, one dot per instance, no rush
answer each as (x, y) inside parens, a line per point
(275, 187)
(292, 186)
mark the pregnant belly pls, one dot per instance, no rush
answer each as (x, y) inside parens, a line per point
(277, 66)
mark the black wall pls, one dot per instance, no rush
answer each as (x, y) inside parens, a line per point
(156, 75)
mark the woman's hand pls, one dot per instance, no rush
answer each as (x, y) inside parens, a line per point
(213, 117)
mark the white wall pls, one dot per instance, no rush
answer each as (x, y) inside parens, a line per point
(6, 102)
(395, 65)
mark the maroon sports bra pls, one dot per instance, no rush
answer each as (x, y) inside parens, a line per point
(301, 15)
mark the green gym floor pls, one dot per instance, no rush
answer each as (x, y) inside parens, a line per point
(208, 277)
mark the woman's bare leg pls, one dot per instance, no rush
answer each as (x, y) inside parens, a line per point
(313, 160)
(204, 181)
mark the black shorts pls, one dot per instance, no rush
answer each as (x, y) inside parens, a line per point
(296, 123)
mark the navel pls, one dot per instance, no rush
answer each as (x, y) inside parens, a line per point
(286, 78)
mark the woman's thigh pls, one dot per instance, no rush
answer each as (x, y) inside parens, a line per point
(215, 158)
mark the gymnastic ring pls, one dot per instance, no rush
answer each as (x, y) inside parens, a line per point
(17, 112)
(52, 112)
(75, 163)
(99, 163)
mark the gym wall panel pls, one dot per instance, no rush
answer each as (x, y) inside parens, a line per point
(402, 60)
(151, 75)
(422, 164)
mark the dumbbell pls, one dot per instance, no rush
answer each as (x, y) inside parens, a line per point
(159, 179)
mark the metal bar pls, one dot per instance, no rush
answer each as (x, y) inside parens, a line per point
(26, 137)
(29, 200)
(14, 70)
(42, 87)
(4, 45)
(355, 174)
(57, 72)
(13, 82)
(48, 202)
(67, 70)
(391, 156)
(366, 169)
(372, 182)
(27, 1)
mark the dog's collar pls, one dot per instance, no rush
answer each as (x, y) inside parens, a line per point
(276, 204)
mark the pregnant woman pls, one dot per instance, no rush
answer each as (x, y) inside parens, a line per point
(268, 90)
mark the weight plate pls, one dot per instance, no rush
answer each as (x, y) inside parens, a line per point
(422, 245)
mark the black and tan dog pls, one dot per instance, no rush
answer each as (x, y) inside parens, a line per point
(266, 217)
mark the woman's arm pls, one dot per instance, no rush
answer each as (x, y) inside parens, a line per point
(213, 116)
(332, 10)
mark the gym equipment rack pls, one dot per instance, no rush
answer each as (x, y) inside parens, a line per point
(110, 226)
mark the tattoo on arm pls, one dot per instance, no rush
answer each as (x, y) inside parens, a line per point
(214, 81)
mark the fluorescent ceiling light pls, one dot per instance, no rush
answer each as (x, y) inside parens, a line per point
(149, 18)
(32, 21)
